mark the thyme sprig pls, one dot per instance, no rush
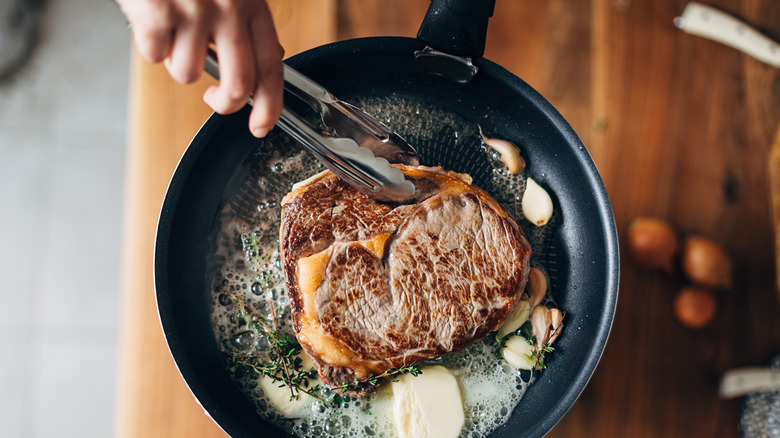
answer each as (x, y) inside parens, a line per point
(412, 369)
(284, 364)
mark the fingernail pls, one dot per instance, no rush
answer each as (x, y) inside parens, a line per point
(259, 132)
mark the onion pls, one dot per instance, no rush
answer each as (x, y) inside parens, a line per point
(652, 243)
(706, 263)
(695, 307)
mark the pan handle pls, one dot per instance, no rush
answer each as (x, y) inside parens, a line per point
(457, 27)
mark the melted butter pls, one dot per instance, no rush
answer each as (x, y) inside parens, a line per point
(451, 182)
(310, 273)
(376, 245)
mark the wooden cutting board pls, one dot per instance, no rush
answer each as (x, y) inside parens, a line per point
(774, 193)
(679, 127)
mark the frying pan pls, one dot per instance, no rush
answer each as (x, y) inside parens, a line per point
(581, 251)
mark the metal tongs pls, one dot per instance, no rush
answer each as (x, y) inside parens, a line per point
(359, 148)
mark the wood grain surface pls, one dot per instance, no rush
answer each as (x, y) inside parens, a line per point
(680, 128)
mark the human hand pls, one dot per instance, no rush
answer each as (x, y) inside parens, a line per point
(178, 33)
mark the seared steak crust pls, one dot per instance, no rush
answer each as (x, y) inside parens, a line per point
(375, 286)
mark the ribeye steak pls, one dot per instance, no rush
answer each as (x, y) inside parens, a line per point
(374, 286)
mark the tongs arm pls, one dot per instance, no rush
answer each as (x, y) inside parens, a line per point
(342, 155)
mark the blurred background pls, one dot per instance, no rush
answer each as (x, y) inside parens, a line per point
(63, 117)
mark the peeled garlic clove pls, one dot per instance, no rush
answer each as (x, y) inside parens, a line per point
(541, 319)
(510, 153)
(515, 319)
(519, 353)
(537, 286)
(537, 204)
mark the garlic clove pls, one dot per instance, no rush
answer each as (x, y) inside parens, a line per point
(537, 204)
(556, 321)
(541, 319)
(519, 353)
(510, 153)
(537, 286)
(515, 319)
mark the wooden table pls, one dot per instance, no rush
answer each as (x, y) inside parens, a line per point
(680, 128)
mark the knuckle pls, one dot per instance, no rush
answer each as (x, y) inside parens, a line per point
(239, 89)
(152, 45)
(271, 73)
(229, 5)
(187, 76)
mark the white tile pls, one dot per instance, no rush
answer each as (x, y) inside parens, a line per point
(62, 138)
(78, 76)
(92, 52)
(72, 390)
(14, 381)
(28, 99)
(24, 197)
(81, 267)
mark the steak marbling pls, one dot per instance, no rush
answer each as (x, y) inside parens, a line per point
(375, 286)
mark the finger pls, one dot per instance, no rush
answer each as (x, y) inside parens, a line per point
(268, 55)
(152, 23)
(188, 55)
(236, 68)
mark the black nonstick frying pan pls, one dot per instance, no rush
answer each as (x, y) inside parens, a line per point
(581, 251)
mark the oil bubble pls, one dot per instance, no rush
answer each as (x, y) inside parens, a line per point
(225, 300)
(243, 341)
(332, 428)
(257, 288)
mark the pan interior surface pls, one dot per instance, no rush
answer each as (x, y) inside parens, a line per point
(578, 249)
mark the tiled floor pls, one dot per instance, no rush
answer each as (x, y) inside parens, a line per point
(62, 153)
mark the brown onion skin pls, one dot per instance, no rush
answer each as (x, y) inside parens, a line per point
(652, 243)
(695, 307)
(706, 263)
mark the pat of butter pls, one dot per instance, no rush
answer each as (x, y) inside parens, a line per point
(428, 405)
(279, 395)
